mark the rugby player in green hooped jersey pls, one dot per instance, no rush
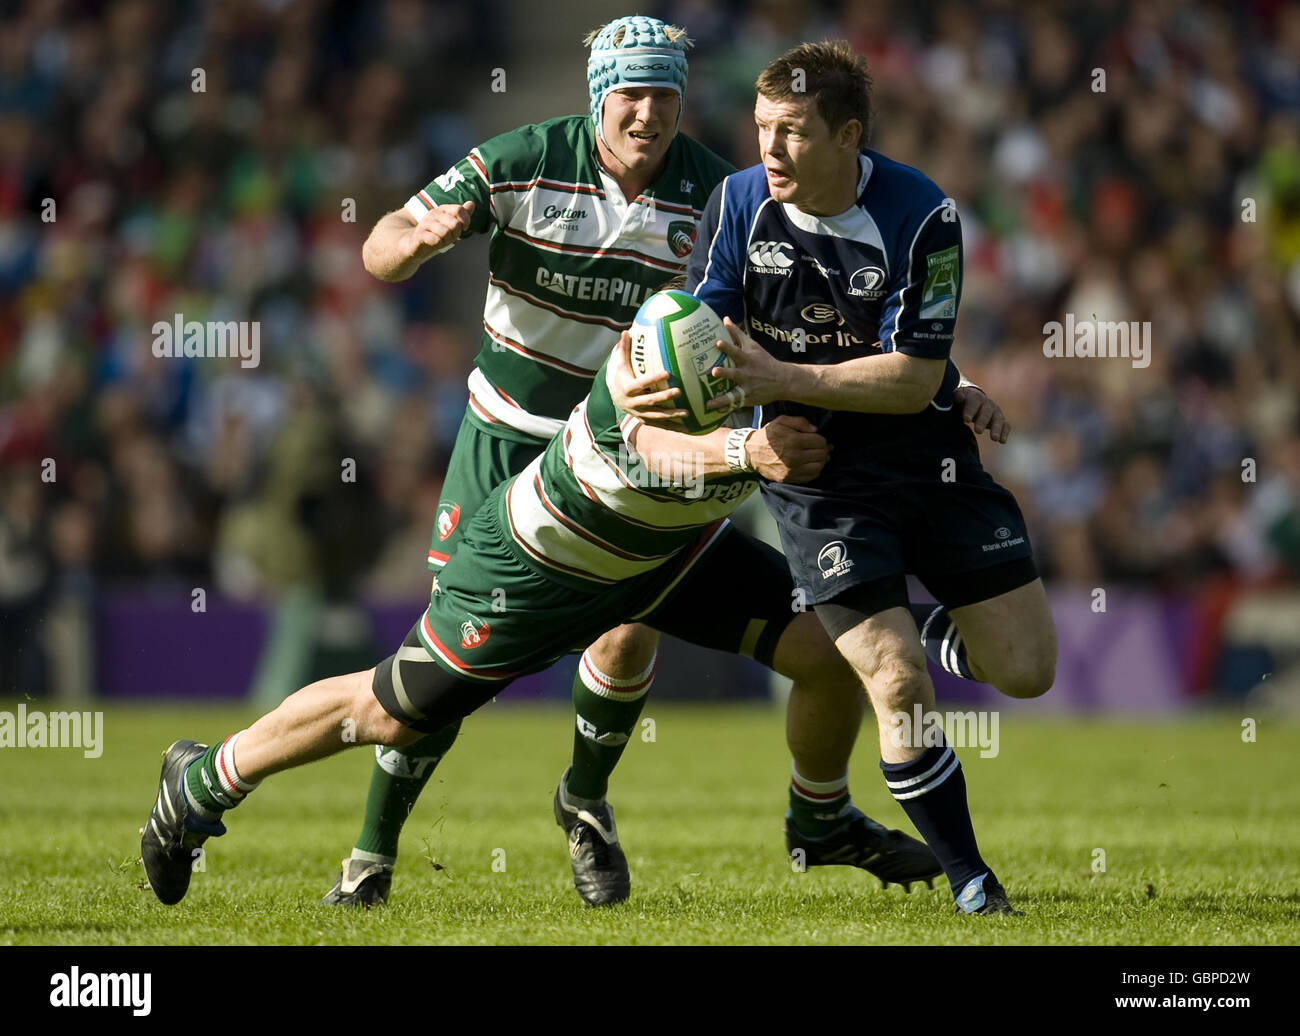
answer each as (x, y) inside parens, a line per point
(588, 216)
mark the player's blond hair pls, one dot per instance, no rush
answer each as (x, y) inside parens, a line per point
(675, 34)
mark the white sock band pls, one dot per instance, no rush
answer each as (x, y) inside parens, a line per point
(369, 857)
(818, 791)
(628, 689)
(231, 783)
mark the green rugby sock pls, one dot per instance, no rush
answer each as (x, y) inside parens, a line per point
(396, 780)
(212, 784)
(818, 807)
(607, 710)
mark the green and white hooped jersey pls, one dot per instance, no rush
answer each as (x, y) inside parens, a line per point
(569, 262)
(588, 513)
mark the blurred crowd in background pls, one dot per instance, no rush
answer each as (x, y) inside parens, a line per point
(1167, 190)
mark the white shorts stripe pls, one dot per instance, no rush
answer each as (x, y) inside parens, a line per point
(407, 654)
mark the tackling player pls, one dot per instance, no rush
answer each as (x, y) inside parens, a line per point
(593, 532)
(827, 226)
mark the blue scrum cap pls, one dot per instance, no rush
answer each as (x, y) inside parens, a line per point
(635, 51)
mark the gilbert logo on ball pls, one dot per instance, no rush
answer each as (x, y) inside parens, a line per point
(676, 334)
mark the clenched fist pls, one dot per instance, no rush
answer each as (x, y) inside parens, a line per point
(437, 231)
(788, 449)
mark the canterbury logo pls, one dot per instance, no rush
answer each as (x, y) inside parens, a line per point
(770, 255)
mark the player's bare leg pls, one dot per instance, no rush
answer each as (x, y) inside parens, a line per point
(885, 653)
(198, 783)
(318, 721)
(823, 716)
(1007, 640)
(609, 691)
(1011, 640)
(824, 712)
(885, 650)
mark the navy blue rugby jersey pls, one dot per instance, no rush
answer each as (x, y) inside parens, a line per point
(883, 275)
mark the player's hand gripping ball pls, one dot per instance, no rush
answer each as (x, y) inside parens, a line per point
(675, 334)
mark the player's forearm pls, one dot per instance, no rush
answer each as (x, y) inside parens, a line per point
(386, 252)
(890, 383)
(676, 456)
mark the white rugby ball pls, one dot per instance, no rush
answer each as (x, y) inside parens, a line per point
(676, 334)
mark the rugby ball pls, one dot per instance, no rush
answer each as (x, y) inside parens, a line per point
(676, 334)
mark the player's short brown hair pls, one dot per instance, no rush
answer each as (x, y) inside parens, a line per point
(832, 73)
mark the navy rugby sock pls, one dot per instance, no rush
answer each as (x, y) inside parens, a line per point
(932, 791)
(941, 639)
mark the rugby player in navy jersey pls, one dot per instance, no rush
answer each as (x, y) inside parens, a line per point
(839, 274)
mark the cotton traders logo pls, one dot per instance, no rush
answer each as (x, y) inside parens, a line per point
(561, 218)
(770, 257)
(448, 516)
(681, 236)
(555, 212)
(821, 313)
(868, 283)
(834, 560)
(473, 632)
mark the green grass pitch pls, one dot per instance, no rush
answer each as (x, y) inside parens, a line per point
(1201, 834)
